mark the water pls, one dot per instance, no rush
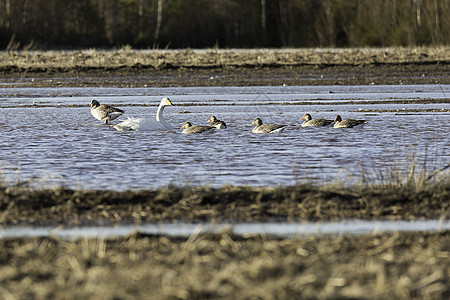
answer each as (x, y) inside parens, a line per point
(49, 137)
(285, 230)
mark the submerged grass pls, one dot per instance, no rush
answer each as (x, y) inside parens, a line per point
(222, 266)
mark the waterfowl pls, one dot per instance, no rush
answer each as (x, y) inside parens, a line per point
(310, 122)
(266, 128)
(189, 128)
(104, 112)
(217, 123)
(144, 124)
(348, 123)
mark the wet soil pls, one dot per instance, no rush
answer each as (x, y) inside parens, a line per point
(303, 202)
(223, 266)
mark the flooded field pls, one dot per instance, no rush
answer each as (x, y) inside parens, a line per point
(315, 213)
(50, 138)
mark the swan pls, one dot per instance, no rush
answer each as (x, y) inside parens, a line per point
(105, 112)
(310, 122)
(348, 123)
(189, 128)
(144, 124)
(217, 123)
(266, 128)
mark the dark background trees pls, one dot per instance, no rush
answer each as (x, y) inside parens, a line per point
(65, 24)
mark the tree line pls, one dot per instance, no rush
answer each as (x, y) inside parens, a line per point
(67, 24)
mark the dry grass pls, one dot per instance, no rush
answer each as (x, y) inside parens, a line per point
(379, 266)
(127, 57)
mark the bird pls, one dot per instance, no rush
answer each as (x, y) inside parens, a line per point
(144, 124)
(189, 128)
(310, 122)
(104, 112)
(217, 123)
(265, 128)
(348, 123)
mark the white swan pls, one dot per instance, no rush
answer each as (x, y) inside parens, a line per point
(144, 124)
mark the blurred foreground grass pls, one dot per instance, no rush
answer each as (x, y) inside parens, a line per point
(222, 266)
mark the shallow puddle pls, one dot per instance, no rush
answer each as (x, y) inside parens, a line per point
(285, 230)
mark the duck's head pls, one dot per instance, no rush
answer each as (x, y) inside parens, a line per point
(257, 122)
(306, 117)
(212, 119)
(186, 125)
(94, 103)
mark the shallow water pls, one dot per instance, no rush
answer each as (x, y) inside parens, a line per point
(48, 135)
(287, 230)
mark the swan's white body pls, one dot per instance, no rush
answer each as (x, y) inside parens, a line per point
(144, 124)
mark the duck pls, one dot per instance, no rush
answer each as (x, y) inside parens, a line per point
(348, 123)
(144, 124)
(104, 112)
(310, 122)
(266, 128)
(217, 123)
(189, 128)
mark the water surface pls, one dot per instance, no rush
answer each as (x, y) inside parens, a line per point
(48, 135)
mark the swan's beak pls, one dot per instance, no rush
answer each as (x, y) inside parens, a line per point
(170, 102)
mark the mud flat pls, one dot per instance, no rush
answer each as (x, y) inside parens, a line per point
(214, 67)
(303, 202)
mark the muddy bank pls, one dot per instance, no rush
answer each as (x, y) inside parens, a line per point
(222, 266)
(303, 202)
(159, 68)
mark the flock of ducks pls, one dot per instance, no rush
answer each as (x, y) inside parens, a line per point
(106, 113)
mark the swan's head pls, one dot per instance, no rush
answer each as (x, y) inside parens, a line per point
(166, 102)
(186, 125)
(212, 119)
(306, 117)
(257, 122)
(337, 118)
(95, 103)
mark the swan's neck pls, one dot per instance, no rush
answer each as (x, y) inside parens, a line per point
(160, 117)
(159, 114)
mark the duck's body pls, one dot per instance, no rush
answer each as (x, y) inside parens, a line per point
(189, 128)
(266, 128)
(310, 122)
(104, 112)
(144, 124)
(216, 123)
(348, 123)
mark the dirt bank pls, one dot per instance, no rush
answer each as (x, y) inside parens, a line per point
(158, 68)
(303, 202)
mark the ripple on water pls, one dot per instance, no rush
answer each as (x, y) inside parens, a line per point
(65, 144)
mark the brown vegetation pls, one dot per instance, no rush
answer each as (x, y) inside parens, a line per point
(222, 266)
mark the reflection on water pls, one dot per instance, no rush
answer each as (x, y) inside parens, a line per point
(59, 142)
(286, 230)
